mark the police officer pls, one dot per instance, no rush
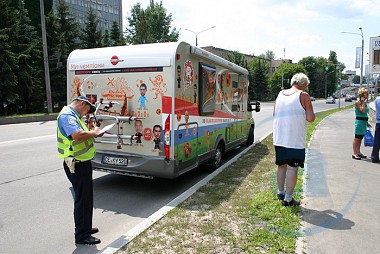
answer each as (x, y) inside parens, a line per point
(75, 147)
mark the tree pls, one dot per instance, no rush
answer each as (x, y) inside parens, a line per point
(287, 73)
(28, 53)
(8, 59)
(150, 26)
(237, 58)
(91, 37)
(270, 55)
(260, 81)
(63, 34)
(313, 68)
(258, 69)
(116, 36)
(106, 41)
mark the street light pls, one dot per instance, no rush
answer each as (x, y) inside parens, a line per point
(361, 60)
(196, 34)
(282, 72)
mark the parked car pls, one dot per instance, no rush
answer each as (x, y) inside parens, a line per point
(348, 98)
(312, 98)
(330, 100)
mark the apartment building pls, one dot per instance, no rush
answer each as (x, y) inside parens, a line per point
(106, 10)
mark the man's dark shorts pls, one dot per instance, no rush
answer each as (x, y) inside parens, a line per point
(292, 157)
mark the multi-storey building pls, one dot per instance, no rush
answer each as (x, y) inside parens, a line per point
(106, 10)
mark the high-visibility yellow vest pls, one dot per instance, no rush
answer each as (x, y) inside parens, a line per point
(80, 150)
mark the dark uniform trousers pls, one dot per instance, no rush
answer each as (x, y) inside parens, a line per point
(82, 184)
(376, 143)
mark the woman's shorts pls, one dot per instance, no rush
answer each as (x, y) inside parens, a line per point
(292, 157)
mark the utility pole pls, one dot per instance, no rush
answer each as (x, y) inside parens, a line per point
(282, 72)
(46, 60)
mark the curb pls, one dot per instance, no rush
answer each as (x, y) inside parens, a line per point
(27, 119)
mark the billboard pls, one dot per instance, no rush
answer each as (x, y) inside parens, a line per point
(374, 55)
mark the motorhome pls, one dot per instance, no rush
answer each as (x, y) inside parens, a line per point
(172, 106)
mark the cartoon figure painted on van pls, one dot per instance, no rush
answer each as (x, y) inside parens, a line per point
(178, 76)
(142, 98)
(138, 127)
(157, 136)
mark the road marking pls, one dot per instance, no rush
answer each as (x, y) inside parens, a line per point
(26, 139)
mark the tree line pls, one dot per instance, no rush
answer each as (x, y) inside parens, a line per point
(22, 83)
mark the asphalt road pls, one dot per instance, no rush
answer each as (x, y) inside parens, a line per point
(36, 214)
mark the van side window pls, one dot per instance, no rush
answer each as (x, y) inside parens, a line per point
(207, 87)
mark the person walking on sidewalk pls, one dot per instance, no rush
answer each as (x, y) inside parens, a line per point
(361, 123)
(376, 140)
(76, 148)
(291, 111)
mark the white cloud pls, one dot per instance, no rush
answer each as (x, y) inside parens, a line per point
(303, 27)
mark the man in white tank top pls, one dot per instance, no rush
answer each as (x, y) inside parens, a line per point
(291, 111)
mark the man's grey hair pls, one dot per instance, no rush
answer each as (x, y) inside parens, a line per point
(300, 79)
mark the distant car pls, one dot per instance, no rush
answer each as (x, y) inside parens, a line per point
(312, 98)
(348, 98)
(330, 100)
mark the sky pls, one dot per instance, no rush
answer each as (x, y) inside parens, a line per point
(301, 27)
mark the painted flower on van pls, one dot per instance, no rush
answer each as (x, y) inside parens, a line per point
(189, 74)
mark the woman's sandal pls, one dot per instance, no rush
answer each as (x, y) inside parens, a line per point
(362, 156)
(356, 157)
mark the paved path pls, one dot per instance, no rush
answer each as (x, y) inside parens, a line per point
(342, 195)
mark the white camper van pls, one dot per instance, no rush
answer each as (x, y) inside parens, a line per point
(172, 106)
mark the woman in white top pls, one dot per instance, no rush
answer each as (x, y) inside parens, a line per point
(291, 111)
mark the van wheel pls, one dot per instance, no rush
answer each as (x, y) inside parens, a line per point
(251, 137)
(217, 160)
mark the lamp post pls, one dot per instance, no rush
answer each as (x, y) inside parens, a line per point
(196, 34)
(282, 72)
(46, 60)
(362, 56)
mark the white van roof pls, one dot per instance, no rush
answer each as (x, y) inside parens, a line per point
(141, 55)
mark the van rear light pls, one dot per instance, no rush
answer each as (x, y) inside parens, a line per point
(167, 138)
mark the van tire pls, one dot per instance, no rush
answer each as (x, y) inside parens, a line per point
(251, 137)
(216, 161)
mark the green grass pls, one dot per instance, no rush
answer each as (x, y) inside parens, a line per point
(236, 212)
(35, 114)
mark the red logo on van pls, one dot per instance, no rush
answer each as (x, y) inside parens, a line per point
(115, 60)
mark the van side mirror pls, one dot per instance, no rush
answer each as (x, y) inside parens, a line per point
(254, 106)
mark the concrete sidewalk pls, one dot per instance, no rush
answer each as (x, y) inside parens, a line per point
(341, 205)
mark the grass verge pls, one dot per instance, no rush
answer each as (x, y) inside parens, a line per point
(236, 212)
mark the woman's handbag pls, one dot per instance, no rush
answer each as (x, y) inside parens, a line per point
(368, 138)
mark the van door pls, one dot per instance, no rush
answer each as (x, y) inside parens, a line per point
(187, 145)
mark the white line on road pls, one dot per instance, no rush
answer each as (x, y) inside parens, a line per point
(26, 139)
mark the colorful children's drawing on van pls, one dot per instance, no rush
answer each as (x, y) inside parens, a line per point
(76, 87)
(159, 87)
(189, 74)
(117, 89)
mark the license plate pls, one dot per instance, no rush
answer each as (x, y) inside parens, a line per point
(114, 161)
